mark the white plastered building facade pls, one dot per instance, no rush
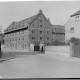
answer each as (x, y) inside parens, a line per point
(72, 27)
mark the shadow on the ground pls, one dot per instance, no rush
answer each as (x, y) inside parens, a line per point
(15, 54)
(11, 55)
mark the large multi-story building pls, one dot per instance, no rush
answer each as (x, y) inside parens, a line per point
(34, 30)
(72, 27)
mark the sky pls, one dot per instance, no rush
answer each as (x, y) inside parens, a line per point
(58, 11)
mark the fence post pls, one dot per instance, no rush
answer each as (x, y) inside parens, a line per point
(72, 49)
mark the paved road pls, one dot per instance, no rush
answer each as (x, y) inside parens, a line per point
(39, 66)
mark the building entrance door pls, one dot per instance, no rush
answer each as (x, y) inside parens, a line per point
(36, 48)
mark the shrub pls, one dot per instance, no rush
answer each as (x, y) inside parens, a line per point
(75, 40)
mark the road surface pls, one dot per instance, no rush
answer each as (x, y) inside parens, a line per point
(40, 66)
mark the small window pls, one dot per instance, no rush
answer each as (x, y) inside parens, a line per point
(41, 26)
(33, 38)
(47, 38)
(33, 31)
(40, 20)
(40, 32)
(72, 30)
(40, 38)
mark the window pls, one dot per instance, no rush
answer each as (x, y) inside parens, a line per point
(72, 30)
(33, 31)
(40, 20)
(41, 26)
(47, 38)
(33, 38)
(40, 32)
(40, 38)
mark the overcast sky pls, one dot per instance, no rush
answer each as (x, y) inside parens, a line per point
(58, 12)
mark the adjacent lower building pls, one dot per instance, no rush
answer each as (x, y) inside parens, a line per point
(35, 30)
(58, 33)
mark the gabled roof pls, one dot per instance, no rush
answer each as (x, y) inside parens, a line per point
(24, 23)
(76, 13)
(58, 28)
(17, 25)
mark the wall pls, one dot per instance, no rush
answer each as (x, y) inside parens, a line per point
(62, 50)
